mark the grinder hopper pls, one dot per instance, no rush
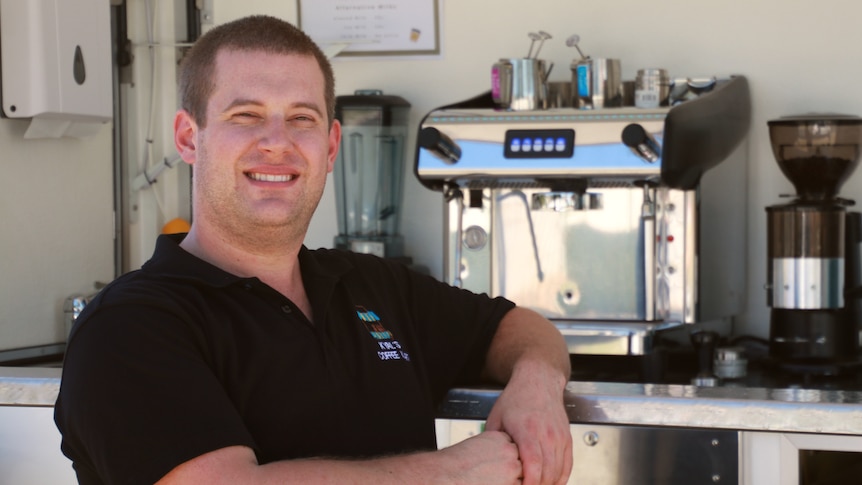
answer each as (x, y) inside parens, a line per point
(817, 153)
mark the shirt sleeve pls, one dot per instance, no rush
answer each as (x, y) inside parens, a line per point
(454, 328)
(138, 397)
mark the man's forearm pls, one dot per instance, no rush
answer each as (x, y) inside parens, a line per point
(490, 457)
(526, 338)
(530, 356)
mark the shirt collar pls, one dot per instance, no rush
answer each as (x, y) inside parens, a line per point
(171, 261)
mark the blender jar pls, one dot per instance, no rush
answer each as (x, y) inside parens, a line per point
(369, 172)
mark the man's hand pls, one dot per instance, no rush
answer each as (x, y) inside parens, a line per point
(489, 457)
(530, 356)
(530, 409)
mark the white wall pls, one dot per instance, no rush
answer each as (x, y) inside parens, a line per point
(799, 57)
(56, 203)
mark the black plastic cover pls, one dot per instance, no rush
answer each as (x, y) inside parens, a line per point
(702, 132)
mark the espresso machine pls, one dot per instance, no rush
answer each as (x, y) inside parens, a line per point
(814, 283)
(618, 224)
(369, 174)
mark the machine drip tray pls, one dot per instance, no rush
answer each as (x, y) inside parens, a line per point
(661, 366)
(618, 338)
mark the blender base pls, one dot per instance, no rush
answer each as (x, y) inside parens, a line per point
(382, 246)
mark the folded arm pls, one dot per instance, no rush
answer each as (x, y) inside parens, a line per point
(531, 357)
(490, 457)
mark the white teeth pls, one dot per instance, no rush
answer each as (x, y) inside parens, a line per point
(264, 177)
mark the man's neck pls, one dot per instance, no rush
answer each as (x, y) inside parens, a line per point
(276, 264)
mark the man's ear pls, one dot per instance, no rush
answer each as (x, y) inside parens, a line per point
(334, 142)
(185, 130)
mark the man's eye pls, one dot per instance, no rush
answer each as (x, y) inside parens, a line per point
(303, 119)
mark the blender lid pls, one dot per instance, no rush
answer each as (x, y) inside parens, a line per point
(809, 118)
(371, 98)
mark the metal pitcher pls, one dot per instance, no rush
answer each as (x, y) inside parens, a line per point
(520, 84)
(597, 83)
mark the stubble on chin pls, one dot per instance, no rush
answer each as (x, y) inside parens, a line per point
(253, 226)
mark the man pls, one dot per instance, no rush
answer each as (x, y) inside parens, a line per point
(236, 355)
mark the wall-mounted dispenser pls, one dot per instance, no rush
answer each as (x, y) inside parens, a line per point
(56, 65)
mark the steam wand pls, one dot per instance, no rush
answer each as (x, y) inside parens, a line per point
(521, 196)
(455, 192)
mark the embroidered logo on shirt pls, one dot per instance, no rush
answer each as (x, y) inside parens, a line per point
(388, 347)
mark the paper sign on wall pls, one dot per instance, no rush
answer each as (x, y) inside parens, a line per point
(373, 28)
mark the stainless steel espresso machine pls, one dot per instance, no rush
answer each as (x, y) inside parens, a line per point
(618, 224)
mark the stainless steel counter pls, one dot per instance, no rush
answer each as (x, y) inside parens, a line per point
(732, 408)
(739, 434)
(29, 386)
(737, 408)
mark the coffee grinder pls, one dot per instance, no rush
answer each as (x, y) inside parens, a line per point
(813, 247)
(369, 172)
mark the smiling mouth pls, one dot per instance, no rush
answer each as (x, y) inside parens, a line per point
(264, 177)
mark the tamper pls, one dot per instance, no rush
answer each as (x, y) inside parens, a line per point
(704, 346)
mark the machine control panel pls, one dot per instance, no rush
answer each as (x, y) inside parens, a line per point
(552, 143)
(487, 146)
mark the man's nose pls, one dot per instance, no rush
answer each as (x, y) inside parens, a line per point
(276, 136)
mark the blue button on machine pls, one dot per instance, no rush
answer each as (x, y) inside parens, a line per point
(560, 145)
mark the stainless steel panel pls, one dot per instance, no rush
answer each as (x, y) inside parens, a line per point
(628, 455)
(577, 264)
(631, 455)
(608, 263)
(676, 256)
(808, 283)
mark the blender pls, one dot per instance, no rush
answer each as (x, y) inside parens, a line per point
(813, 246)
(369, 172)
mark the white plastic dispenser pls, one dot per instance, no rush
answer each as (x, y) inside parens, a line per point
(56, 65)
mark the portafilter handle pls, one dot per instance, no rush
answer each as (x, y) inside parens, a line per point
(439, 144)
(641, 143)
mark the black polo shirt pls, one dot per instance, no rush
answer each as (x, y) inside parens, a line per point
(181, 358)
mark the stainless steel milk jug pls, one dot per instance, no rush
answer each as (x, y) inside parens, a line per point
(520, 84)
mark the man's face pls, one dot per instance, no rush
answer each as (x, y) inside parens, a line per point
(262, 159)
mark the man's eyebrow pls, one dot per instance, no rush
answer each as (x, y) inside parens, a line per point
(242, 102)
(312, 106)
(253, 102)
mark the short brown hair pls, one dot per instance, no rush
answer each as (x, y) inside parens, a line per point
(256, 32)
